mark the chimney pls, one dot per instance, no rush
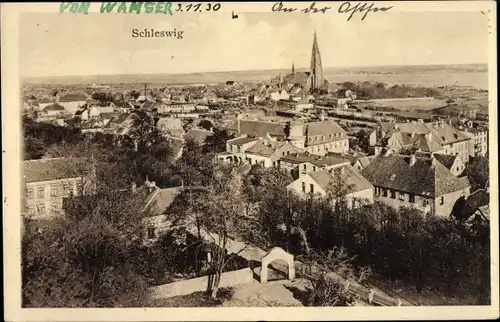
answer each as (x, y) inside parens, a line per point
(413, 159)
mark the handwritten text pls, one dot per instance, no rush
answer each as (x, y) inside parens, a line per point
(347, 7)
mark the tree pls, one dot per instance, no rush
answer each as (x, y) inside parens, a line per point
(206, 124)
(90, 261)
(216, 142)
(478, 172)
(331, 283)
(223, 208)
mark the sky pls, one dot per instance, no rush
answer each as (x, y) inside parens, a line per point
(95, 44)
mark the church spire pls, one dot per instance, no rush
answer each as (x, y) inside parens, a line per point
(316, 65)
(293, 68)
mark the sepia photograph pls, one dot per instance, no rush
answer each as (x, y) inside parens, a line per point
(251, 155)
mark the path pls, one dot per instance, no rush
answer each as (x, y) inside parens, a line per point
(253, 253)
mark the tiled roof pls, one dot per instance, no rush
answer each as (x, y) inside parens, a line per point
(54, 107)
(45, 100)
(446, 159)
(198, 135)
(322, 128)
(55, 169)
(422, 178)
(241, 141)
(161, 199)
(296, 78)
(445, 133)
(265, 147)
(258, 128)
(353, 179)
(76, 97)
(365, 161)
(314, 159)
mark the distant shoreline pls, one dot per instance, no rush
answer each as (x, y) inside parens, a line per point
(364, 72)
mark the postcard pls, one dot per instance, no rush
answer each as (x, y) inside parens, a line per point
(249, 161)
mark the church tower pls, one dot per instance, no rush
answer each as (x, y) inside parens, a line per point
(316, 66)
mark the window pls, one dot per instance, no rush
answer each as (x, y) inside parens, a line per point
(326, 149)
(441, 200)
(425, 202)
(239, 148)
(311, 186)
(402, 196)
(65, 188)
(303, 187)
(41, 209)
(41, 192)
(79, 186)
(55, 207)
(151, 232)
(393, 194)
(29, 193)
(384, 193)
(377, 191)
(314, 168)
(53, 190)
(304, 167)
(31, 210)
(274, 163)
(411, 198)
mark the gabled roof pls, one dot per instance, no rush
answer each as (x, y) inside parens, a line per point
(241, 140)
(258, 128)
(322, 128)
(425, 177)
(353, 179)
(320, 161)
(265, 147)
(55, 169)
(158, 201)
(445, 133)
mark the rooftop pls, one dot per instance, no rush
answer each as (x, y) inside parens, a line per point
(426, 177)
(55, 169)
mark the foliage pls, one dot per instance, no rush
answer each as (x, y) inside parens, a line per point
(368, 90)
(478, 172)
(216, 142)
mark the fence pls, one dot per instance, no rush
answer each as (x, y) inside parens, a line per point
(200, 284)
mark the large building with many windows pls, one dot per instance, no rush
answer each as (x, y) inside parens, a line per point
(49, 181)
(421, 183)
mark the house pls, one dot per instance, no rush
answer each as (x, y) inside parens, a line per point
(267, 152)
(318, 137)
(479, 140)
(435, 137)
(362, 162)
(410, 181)
(451, 162)
(358, 191)
(49, 181)
(43, 103)
(54, 110)
(236, 149)
(300, 164)
(96, 111)
(170, 126)
(72, 102)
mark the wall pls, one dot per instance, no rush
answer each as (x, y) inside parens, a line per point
(297, 186)
(48, 200)
(200, 284)
(257, 159)
(449, 201)
(433, 205)
(340, 146)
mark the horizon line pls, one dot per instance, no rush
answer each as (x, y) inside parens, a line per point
(252, 70)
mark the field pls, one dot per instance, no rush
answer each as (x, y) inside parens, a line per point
(428, 76)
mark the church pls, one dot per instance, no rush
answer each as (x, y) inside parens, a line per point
(300, 83)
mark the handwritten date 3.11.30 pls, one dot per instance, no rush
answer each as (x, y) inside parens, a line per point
(197, 7)
(344, 8)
